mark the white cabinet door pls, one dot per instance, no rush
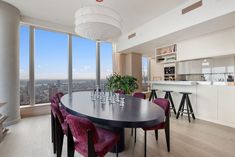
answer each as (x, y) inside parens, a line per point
(207, 102)
(226, 105)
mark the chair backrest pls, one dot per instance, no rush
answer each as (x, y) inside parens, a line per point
(139, 95)
(79, 128)
(59, 96)
(164, 104)
(119, 91)
(56, 98)
(56, 111)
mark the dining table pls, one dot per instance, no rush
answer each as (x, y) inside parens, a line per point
(131, 113)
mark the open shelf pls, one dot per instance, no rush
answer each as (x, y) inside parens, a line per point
(166, 54)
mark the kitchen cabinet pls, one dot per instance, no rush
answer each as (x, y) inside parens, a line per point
(211, 45)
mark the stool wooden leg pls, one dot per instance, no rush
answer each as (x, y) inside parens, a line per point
(166, 95)
(151, 96)
(181, 104)
(155, 94)
(190, 107)
(172, 103)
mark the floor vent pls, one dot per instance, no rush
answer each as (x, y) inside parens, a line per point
(192, 7)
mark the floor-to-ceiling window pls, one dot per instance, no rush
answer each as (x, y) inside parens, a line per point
(84, 64)
(24, 65)
(106, 64)
(51, 64)
(144, 73)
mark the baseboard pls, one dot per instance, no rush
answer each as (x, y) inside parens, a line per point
(35, 110)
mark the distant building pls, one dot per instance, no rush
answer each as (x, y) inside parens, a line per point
(52, 91)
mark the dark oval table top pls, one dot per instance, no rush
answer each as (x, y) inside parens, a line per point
(134, 114)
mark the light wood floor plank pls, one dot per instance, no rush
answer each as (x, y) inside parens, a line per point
(31, 138)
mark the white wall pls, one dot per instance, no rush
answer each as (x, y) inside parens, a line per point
(173, 21)
(210, 45)
(156, 69)
(9, 61)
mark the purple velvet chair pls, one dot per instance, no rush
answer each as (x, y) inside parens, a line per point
(165, 105)
(61, 128)
(141, 96)
(55, 101)
(88, 140)
(119, 91)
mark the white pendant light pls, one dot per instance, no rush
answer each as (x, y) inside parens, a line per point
(97, 23)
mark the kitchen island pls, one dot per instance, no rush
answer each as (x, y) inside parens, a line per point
(214, 102)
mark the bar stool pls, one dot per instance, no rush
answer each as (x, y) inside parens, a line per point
(153, 95)
(169, 97)
(189, 110)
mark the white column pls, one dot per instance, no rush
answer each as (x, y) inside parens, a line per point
(9, 61)
(98, 63)
(70, 66)
(31, 68)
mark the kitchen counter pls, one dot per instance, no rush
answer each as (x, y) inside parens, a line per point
(211, 101)
(187, 83)
(192, 83)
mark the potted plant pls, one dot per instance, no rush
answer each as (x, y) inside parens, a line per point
(116, 82)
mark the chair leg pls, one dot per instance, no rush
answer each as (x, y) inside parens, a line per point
(59, 138)
(70, 143)
(52, 128)
(53, 133)
(116, 150)
(135, 135)
(145, 143)
(156, 134)
(167, 133)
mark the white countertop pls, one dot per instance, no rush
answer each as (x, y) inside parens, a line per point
(187, 83)
(191, 83)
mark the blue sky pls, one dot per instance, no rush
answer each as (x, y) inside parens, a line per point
(51, 56)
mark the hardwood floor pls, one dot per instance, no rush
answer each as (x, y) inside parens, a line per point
(31, 138)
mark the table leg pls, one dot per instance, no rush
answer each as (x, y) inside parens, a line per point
(121, 143)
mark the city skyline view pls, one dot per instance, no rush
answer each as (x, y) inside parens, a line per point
(51, 64)
(51, 56)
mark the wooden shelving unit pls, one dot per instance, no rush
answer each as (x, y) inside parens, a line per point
(3, 131)
(166, 54)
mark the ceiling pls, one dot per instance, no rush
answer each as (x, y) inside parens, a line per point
(133, 12)
(211, 26)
